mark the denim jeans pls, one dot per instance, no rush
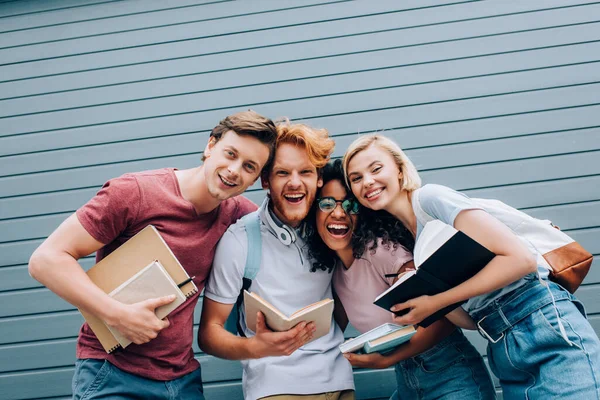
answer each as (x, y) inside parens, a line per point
(452, 369)
(99, 379)
(527, 352)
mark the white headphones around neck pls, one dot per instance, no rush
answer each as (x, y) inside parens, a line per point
(285, 234)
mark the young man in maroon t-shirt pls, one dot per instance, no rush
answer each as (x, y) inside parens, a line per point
(191, 209)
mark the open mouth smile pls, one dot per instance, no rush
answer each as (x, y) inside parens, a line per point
(294, 198)
(227, 182)
(373, 193)
(338, 229)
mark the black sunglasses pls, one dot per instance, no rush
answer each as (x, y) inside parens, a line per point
(328, 204)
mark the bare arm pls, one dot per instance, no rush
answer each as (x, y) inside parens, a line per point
(55, 265)
(513, 261)
(214, 339)
(424, 339)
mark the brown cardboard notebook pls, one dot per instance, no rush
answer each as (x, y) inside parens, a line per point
(151, 282)
(126, 261)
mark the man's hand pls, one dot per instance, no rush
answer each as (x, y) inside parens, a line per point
(137, 322)
(373, 360)
(419, 308)
(268, 343)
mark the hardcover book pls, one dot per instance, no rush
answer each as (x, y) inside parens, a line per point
(151, 282)
(444, 258)
(126, 261)
(320, 313)
(380, 339)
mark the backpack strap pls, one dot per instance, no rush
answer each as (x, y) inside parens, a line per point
(253, 258)
(422, 217)
(252, 223)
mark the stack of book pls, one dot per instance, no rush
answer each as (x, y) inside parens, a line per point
(143, 268)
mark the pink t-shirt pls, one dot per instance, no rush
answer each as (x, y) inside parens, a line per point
(122, 208)
(358, 286)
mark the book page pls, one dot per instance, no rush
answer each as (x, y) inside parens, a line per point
(433, 236)
(358, 342)
(393, 335)
(320, 313)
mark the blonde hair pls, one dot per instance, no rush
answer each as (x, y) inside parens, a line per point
(410, 176)
(316, 142)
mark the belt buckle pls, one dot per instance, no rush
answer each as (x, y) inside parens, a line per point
(483, 333)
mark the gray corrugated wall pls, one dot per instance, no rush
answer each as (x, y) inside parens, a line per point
(497, 98)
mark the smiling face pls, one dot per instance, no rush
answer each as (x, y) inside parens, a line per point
(375, 178)
(336, 226)
(232, 164)
(292, 184)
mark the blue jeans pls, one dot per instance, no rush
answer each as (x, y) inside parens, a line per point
(452, 369)
(99, 379)
(527, 352)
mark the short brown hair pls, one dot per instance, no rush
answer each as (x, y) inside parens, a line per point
(248, 123)
(316, 142)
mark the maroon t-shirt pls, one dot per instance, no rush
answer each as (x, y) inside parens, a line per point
(122, 208)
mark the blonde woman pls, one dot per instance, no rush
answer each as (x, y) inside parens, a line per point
(514, 305)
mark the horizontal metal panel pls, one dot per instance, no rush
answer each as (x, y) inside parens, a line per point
(423, 126)
(200, 30)
(13, 8)
(382, 86)
(512, 172)
(230, 49)
(17, 277)
(570, 216)
(57, 325)
(391, 66)
(57, 13)
(182, 16)
(258, 63)
(544, 193)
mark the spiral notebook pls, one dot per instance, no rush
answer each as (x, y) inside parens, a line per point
(125, 262)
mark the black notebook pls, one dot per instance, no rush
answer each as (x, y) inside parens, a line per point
(444, 258)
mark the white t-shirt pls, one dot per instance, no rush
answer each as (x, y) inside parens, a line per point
(445, 204)
(285, 281)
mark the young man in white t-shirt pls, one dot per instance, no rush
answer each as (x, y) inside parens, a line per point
(281, 365)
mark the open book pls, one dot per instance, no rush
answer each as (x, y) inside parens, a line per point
(444, 258)
(151, 282)
(380, 339)
(320, 313)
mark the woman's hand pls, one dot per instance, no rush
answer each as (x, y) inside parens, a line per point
(418, 308)
(373, 360)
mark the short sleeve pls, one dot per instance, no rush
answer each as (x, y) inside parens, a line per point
(226, 277)
(112, 210)
(443, 203)
(245, 206)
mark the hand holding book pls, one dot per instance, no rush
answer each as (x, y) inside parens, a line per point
(137, 323)
(444, 258)
(268, 343)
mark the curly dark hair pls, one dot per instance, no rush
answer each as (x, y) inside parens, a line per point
(371, 226)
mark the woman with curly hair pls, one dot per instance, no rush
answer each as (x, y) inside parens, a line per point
(367, 251)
